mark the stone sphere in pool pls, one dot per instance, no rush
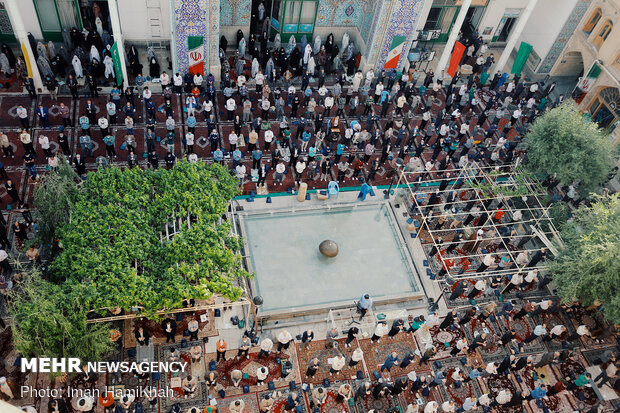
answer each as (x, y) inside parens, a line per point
(328, 248)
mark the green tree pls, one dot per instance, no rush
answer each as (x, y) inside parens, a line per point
(54, 197)
(563, 142)
(588, 268)
(48, 323)
(150, 239)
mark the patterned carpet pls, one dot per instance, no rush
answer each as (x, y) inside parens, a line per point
(280, 396)
(529, 294)
(250, 401)
(571, 369)
(523, 328)
(596, 326)
(376, 353)
(317, 349)
(494, 350)
(173, 380)
(205, 329)
(331, 405)
(442, 337)
(250, 365)
(451, 392)
(498, 382)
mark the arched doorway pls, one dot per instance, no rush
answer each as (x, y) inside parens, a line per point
(605, 107)
(572, 64)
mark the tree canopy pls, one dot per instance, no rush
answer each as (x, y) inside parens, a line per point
(54, 196)
(49, 322)
(588, 269)
(150, 239)
(562, 142)
(126, 238)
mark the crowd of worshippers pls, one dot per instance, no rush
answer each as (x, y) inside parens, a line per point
(314, 144)
(418, 384)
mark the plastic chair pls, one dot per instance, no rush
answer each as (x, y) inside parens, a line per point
(333, 188)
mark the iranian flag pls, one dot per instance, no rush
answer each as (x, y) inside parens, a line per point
(585, 85)
(396, 49)
(196, 54)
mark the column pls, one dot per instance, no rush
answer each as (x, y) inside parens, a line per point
(118, 38)
(173, 43)
(454, 34)
(514, 36)
(22, 36)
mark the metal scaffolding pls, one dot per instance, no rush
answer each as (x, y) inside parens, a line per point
(490, 194)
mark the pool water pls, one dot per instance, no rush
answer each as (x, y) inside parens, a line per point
(292, 274)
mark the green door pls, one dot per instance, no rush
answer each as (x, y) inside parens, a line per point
(298, 19)
(49, 20)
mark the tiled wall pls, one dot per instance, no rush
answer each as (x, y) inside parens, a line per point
(197, 18)
(235, 12)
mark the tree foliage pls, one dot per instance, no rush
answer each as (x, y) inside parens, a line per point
(588, 268)
(117, 251)
(563, 142)
(53, 199)
(48, 322)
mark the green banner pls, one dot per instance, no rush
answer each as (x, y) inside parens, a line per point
(524, 52)
(116, 58)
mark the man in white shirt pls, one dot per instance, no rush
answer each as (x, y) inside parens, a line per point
(22, 114)
(448, 407)
(103, 125)
(265, 105)
(44, 142)
(240, 171)
(178, 83)
(259, 79)
(164, 79)
(555, 332)
(284, 340)
(280, 169)
(189, 142)
(268, 138)
(231, 105)
(146, 94)
(198, 80)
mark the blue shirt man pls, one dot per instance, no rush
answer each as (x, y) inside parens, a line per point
(218, 155)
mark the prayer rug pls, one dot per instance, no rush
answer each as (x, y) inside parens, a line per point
(493, 350)
(205, 328)
(250, 400)
(523, 327)
(317, 349)
(570, 370)
(465, 390)
(249, 366)
(173, 381)
(445, 340)
(331, 405)
(280, 396)
(531, 293)
(497, 382)
(593, 320)
(376, 353)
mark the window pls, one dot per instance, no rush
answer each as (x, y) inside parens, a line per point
(433, 18)
(299, 17)
(603, 34)
(589, 26)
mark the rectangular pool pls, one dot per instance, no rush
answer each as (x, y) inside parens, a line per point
(292, 275)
